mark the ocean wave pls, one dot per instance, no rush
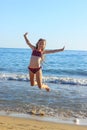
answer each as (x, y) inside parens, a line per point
(47, 79)
(66, 80)
(64, 71)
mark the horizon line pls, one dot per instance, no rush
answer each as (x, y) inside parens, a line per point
(29, 48)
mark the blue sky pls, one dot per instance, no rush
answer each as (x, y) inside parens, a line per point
(60, 22)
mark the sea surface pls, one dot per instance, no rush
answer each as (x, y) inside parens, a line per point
(64, 72)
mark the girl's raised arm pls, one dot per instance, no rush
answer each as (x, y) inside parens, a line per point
(28, 42)
(53, 51)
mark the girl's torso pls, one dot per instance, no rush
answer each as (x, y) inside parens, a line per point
(36, 59)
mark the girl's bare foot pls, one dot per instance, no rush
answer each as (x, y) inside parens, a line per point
(46, 87)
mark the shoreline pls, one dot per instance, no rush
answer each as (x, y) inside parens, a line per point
(12, 123)
(43, 118)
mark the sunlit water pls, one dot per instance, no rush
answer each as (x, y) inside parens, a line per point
(65, 73)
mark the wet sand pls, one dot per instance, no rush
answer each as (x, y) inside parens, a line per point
(15, 123)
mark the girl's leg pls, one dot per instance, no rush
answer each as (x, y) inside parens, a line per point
(39, 81)
(32, 78)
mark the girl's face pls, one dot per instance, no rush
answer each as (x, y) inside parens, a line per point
(41, 44)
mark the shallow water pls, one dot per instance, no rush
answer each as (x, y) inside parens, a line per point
(62, 101)
(65, 73)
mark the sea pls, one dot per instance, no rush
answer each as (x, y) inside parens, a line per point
(64, 72)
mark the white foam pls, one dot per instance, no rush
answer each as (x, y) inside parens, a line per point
(48, 79)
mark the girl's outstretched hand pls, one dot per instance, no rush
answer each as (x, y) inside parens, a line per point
(26, 34)
(63, 48)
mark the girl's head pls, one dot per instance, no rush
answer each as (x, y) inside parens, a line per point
(41, 44)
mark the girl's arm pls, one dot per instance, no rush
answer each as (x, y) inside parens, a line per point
(53, 51)
(28, 42)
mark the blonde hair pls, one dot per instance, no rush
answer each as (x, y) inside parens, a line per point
(38, 42)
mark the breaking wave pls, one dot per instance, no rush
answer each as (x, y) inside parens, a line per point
(48, 79)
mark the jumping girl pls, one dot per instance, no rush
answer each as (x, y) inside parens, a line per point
(35, 62)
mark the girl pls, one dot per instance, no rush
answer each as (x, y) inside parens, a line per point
(35, 62)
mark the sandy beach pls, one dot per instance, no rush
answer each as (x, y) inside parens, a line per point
(14, 123)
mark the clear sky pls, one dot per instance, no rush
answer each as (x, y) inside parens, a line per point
(60, 22)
